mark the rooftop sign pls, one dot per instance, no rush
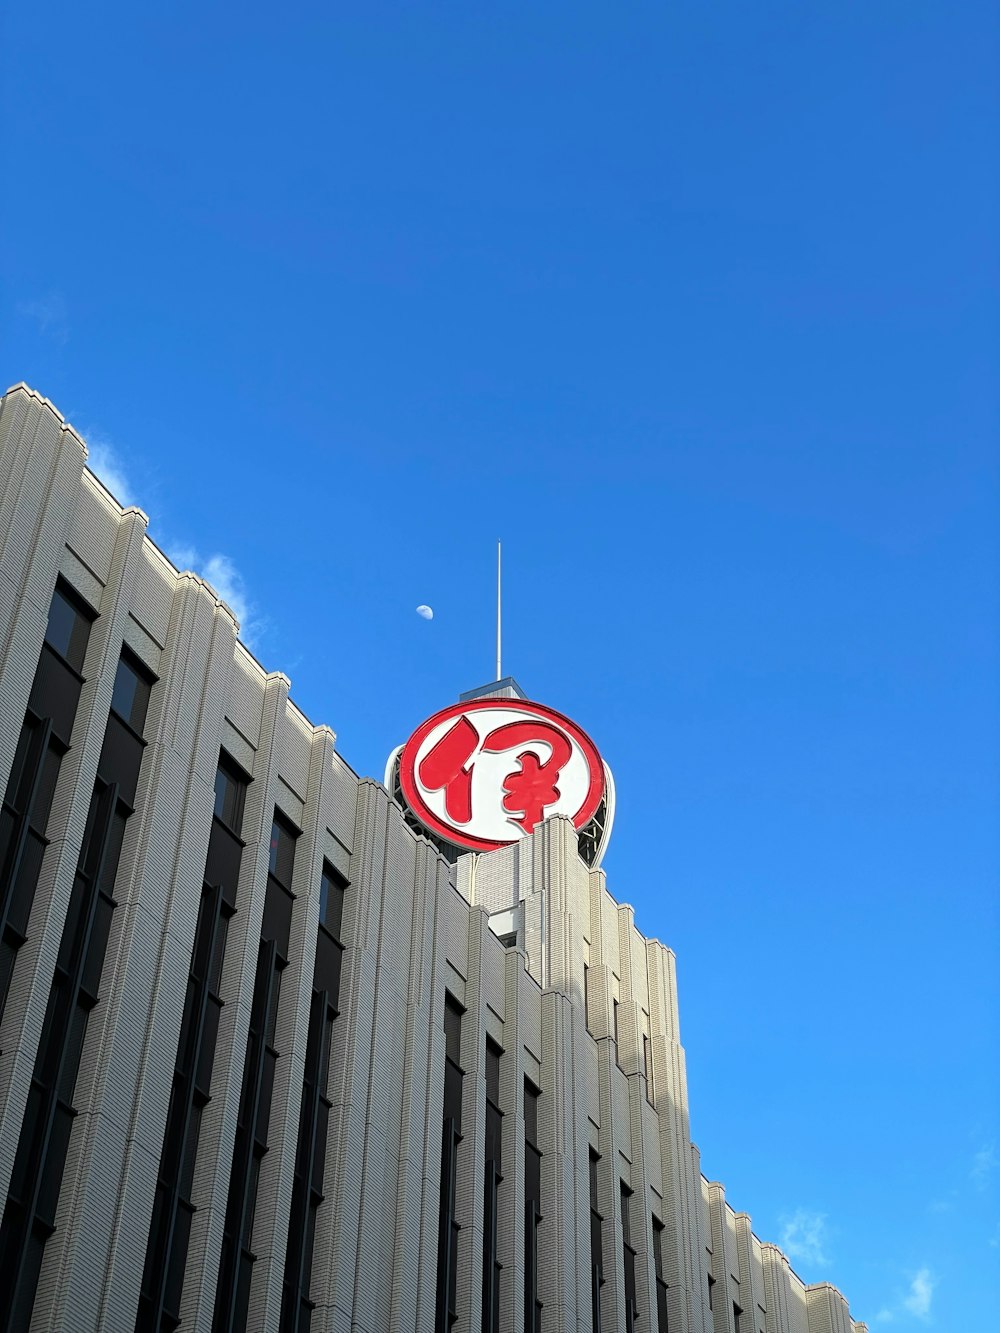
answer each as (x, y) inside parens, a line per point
(483, 773)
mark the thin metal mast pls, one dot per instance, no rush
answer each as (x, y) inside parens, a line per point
(498, 675)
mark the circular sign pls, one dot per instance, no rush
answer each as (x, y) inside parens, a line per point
(484, 774)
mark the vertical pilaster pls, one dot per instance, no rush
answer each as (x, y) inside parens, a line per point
(218, 1126)
(683, 1247)
(754, 1297)
(415, 1271)
(565, 1191)
(724, 1261)
(270, 1229)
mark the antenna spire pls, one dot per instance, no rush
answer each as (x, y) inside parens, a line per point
(499, 673)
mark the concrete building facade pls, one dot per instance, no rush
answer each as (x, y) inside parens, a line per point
(268, 1061)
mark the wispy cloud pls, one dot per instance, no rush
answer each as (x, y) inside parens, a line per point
(983, 1165)
(804, 1236)
(220, 571)
(918, 1299)
(50, 315)
(943, 1205)
(915, 1300)
(103, 460)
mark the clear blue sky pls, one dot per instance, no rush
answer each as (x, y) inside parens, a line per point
(695, 305)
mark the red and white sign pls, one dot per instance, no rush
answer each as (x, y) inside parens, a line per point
(484, 773)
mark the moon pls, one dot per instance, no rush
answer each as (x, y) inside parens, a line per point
(425, 612)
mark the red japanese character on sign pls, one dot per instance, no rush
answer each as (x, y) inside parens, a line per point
(533, 787)
(484, 773)
(444, 766)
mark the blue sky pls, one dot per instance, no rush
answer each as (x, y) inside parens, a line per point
(696, 307)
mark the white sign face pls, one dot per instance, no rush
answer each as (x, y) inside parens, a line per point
(483, 774)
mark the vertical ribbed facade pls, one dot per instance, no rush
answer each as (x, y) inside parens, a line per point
(282, 994)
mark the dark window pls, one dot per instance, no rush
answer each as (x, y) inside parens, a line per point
(586, 995)
(531, 1095)
(631, 1300)
(279, 899)
(647, 1068)
(130, 697)
(658, 1246)
(29, 1215)
(331, 900)
(614, 1019)
(27, 801)
(711, 1292)
(493, 1053)
(737, 1316)
(230, 792)
(24, 815)
(661, 1281)
(532, 1209)
(509, 941)
(596, 1246)
(69, 626)
(491, 1188)
(282, 857)
(251, 1142)
(448, 1225)
(166, 1248)
(329, 947)
(307, 1185)
(453, 1030)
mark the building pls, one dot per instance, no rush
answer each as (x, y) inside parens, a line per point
(268, 1059)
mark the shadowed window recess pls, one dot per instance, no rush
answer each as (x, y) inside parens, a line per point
(42, 743)
(451, 1137)
(29, 1215)
(596, 1243)
(232, 1295)
(173, 1207)
(492, 1180)
(532, 1208)
(662, 1323)
(631, 1301)
(314, 1112)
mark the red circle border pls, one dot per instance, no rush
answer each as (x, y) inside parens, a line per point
(407, 758)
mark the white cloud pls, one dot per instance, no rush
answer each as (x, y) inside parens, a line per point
(918, 1300)
(184, 557)
(915, 1301)
(228, 582)
(50, 314)
(803, 1236)
(982, 1165)
(103, 461)
(218, 570)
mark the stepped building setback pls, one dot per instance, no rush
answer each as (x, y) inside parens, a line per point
(275, 1056)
